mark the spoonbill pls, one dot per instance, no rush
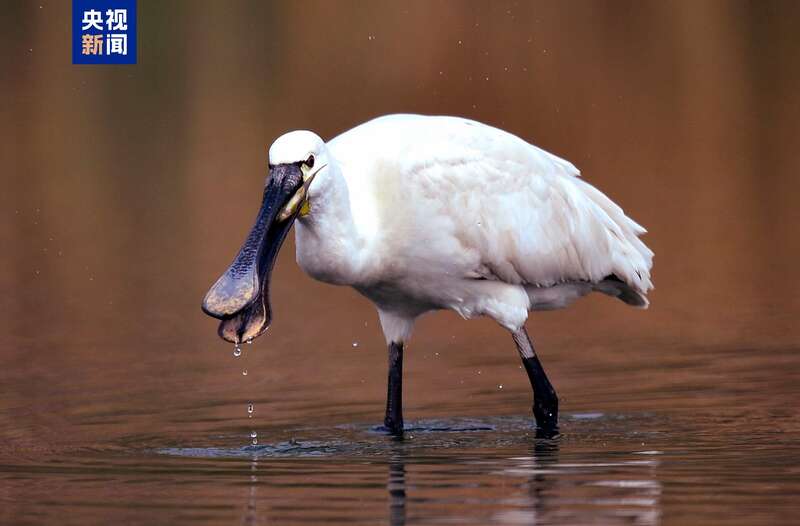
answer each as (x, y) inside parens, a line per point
(420, 213)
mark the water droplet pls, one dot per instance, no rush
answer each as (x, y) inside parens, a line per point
(500, 386)
(244, 372)
(237, 351)
(250, 341)
(253, 437)
(250, 409)
(355, 344)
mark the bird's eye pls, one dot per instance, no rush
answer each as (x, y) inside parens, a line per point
(310, 161)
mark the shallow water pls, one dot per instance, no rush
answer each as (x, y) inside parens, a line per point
(654, 456)
(127, 190)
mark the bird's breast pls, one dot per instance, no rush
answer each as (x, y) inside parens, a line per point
(324, 257)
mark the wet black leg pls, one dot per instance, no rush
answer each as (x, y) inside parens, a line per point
(394, 396)
(545, 401)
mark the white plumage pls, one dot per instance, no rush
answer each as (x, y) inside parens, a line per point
(421, 213)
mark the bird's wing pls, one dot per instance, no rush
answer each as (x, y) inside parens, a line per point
(496, 207)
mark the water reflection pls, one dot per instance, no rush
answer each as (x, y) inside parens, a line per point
(541, 485)
(578, 492)
(251, 512)
(397, 488)
(544, 490)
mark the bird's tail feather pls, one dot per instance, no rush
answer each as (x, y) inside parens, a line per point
(615, 287)
(631, 258)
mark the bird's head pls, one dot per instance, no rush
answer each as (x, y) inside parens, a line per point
(240, 297)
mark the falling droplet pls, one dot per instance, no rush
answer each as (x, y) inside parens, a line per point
(250, 409)
(237, 351)
(254, 437)
(355, 344)
(244, 372)
(250, 341)
(500, 386)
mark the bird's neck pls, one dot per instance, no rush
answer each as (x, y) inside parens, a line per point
(329, 246)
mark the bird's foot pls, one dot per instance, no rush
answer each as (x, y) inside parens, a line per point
(545, 411)
(393, 427)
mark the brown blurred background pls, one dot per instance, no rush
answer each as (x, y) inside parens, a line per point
(126, 190)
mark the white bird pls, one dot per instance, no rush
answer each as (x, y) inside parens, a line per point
(420, 213)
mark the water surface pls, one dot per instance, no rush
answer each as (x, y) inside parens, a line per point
(648, 456)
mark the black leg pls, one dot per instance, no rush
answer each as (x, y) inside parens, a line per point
(545, 401)
(394, 396)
